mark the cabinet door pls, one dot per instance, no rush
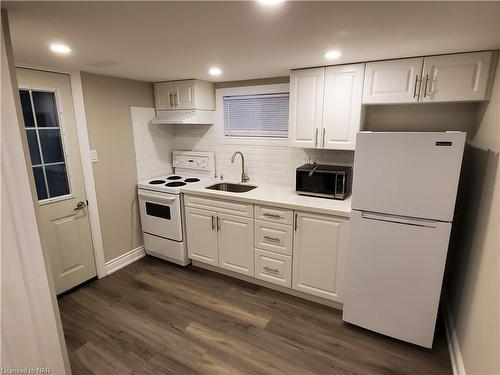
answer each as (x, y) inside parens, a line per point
(236, 243)
(184, 95)
(460, 77)
(164, 95)
(393, 81)
(342, 106)
(318, 255)
(201, 236)
(306, 107)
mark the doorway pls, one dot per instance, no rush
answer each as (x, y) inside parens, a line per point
(63, 220)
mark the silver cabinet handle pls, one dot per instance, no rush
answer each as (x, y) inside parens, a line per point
(274, 216)
(324, 133)
(426, 82)
(171, 100)
(295, 226)
(213, 222)
(177, 102)
(316, 138)
(218, 224)
(273, 239)
(79, 206)
(415, 92)
(275, 270)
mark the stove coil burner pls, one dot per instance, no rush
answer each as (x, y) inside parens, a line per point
(191, 179)
(157, 182)
(175, 184)
(174, 178)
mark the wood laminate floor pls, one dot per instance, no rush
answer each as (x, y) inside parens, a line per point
(153, 317)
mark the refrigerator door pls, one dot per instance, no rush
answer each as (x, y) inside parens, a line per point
(394, 273)
(409, 174)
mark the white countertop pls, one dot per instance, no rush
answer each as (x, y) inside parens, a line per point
(273, 195)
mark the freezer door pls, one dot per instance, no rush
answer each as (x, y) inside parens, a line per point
(394, 274)
(409, 174)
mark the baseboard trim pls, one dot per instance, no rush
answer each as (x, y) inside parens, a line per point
(457, 362)
(124, 260)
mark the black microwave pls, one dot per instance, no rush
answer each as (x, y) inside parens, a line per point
(321, 180)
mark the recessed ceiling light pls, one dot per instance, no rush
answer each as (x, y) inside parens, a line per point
(332, 55)
(215, 71)
(59, 48)
(270, 2)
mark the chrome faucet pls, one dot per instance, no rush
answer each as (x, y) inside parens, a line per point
(244, 177)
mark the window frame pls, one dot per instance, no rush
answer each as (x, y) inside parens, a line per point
(247, 90)
(62, 130)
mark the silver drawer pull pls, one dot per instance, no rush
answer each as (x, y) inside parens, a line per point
(273, 239)
(269, 269)
(274, 216)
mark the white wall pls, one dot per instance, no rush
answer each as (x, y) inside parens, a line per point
(153, 144)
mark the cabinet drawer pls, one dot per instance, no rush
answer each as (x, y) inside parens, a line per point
(274, 214)
(219, 205)
(273, 268)
(273, 237)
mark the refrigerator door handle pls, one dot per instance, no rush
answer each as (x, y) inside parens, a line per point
(399, 219)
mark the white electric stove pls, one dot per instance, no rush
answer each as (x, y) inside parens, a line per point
(161, 205)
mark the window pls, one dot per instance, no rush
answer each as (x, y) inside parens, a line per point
(255, 112)
(42, 124)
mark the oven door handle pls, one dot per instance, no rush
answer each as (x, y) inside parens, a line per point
(157, 197)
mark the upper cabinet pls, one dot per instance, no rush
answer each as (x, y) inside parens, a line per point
(393, 81)
(463, 77)
(445, 78)
(189, 94)
(325, 107)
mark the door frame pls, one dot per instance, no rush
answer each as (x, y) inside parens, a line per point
(85, 157)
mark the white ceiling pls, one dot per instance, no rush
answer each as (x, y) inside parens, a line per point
(156, 41)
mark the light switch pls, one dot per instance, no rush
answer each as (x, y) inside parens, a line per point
(93, 156)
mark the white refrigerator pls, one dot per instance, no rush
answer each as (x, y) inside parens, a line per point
(404, 192)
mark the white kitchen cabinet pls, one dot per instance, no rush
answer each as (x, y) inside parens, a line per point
(164, 95)
(458, 77)
(325, 107)
(342, 106)
(236, 243)
(306, 107)
(393, 81)
(319, 255)
(201, 231)
(184, 95)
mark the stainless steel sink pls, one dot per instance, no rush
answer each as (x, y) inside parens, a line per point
(233, 188)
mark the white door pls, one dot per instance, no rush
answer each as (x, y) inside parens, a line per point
(306, 107)
(236, 243)
(460, 77)
(318, 255)
(393, 275)
(393, 81)
(63, 220)
(408, 174)
(184, 95)
(164, 95)
(342, 106)
(202, 235)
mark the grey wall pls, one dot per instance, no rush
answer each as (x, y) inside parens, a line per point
(107, 108)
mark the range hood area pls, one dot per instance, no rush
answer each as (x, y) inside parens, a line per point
(187, 117)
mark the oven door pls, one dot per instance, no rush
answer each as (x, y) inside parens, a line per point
(161, 214)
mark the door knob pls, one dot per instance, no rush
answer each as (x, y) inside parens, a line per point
(79, 205)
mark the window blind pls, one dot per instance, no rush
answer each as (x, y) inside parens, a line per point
(257, 115)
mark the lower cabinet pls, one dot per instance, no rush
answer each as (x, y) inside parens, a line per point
(220, 240)
(201, 232)
(305, 252)
(235, 239)
(273, 267)
(319, 255)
